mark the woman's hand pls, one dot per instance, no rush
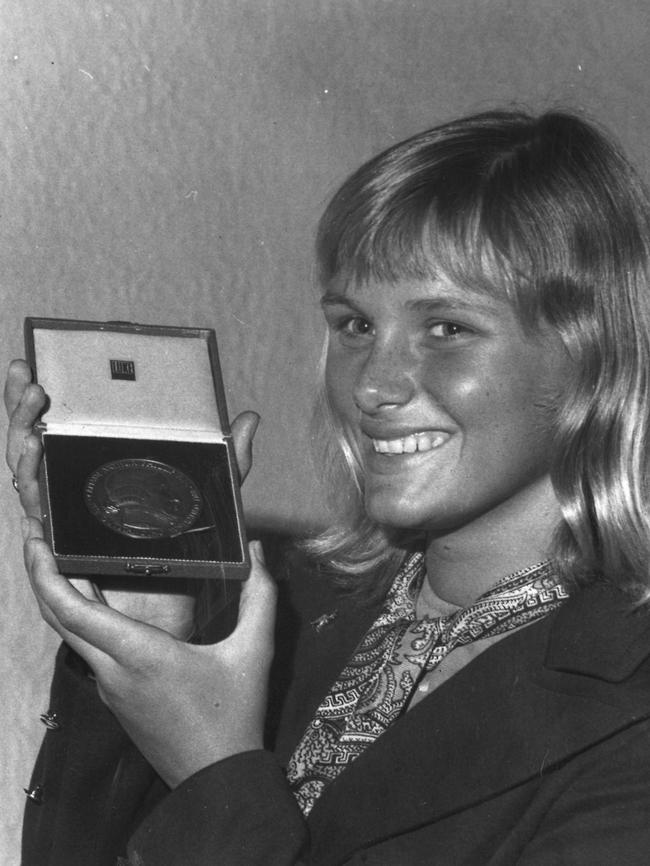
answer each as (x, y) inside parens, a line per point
(184, 706)
(24, 403)
(164, 603)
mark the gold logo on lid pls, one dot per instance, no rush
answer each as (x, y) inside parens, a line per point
(123, 370)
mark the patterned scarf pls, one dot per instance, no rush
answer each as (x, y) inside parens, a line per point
(376, 685)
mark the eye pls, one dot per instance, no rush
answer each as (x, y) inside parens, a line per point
(350, 329)
(448, 330)
(356, 326)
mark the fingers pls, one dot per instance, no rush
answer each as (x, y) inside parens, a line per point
(256, 623)
(49, 588)
(24, 402)
(89, 627)
(26, 474)
(243, 432)
(19, 376)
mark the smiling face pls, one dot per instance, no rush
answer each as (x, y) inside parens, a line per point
(448, 402)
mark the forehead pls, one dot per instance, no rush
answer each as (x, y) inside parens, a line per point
(416, 295)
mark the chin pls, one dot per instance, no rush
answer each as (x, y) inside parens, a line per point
(396, 514)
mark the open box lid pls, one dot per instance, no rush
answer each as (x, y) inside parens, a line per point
(128, 380)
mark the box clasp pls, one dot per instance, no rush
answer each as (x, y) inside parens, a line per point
(148, 570)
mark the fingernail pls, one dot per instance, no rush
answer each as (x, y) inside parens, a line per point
(25, 528)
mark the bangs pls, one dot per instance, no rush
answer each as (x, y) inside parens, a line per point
(511, 207)
(464, 242)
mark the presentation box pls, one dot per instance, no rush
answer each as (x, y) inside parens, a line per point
(139, 475)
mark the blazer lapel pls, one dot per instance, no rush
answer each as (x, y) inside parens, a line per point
(512, 714)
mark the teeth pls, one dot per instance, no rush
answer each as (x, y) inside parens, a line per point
(410, 444)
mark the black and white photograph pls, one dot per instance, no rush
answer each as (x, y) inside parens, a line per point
(326, 508)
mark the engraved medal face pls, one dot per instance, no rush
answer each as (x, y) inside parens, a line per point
(142, 498)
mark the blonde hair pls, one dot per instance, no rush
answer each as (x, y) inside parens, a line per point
(548, 212)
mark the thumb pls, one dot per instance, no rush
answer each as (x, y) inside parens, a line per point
(243, 432)
(256, 622)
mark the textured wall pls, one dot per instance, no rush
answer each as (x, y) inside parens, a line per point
(166, 161)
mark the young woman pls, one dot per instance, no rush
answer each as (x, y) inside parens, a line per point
(473, 686)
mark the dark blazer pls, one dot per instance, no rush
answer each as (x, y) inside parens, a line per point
(537, 752)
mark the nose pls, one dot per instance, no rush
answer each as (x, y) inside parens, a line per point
(386, 379)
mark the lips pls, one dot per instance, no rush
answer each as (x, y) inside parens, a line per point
(426, 440)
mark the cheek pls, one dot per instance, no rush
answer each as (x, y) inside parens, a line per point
(463, 391)
(339, 386)
(521, 406)
(516, 398)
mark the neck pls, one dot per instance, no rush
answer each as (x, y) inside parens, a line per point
(462, 564)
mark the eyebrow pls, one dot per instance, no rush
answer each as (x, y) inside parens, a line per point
(332, 300)
(483, 303)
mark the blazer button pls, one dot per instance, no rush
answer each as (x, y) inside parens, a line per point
(51, 721)
(35, 794)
